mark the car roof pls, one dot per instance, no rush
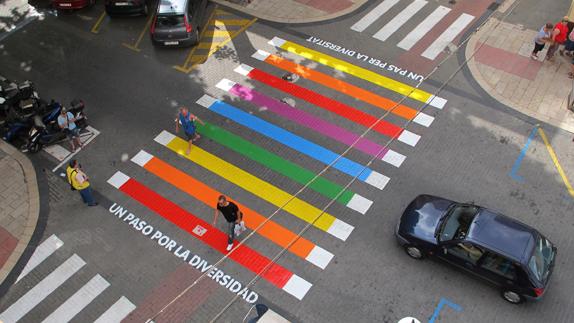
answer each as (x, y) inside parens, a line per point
(503, 235)
(171, 6)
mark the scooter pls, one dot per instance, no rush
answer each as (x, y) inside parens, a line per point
(18, 127)
(42, 134)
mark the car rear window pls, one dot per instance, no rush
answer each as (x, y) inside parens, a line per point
(541, 259)
(170, 21)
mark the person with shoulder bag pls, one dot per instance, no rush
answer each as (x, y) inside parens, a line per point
(79, 181)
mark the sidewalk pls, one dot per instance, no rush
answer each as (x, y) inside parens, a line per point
(19, 206)
(294, 11)
(504, 69)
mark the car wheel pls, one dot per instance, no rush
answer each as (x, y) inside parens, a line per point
(196, 37)
(512, 297)
(414, 252)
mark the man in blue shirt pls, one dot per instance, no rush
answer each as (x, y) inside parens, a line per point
(66, 123)
(187, 121)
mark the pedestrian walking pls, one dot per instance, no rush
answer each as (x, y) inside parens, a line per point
(542, 37)
(569, 46)
(66, 122)
(233, 216)
(187, 121)
(559, 35)
(80, 182)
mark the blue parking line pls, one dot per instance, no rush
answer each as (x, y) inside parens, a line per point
(441, 304)
(516, 166)
(291, 140)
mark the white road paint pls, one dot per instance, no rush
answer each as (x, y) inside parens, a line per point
(423, 28)
(399, 20)
(117, 312)
(373, 15)
(43, 251)
(447, 36)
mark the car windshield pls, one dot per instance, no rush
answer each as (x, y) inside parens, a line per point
(457, 222)
(542, 257)
(170, 21)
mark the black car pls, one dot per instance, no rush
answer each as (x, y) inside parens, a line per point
(126, 7)
(509, 254)
(177, 22)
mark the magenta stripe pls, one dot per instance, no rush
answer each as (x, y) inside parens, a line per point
(308, 120)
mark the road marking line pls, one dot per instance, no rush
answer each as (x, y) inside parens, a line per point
(399, 20)
(250, 183)
(409, 138)
(43, 251)
(337, 85)
(441, 304)
(293, 141)
(307, 120)
(282, 166)
(354, 70)
(81, 298)
(94, 133)
(242, 254)
(556, 162)
(41, 290)
(357, 116)
(373, 15)
(514, 172)
(135, 46)
(423, 28)
(447, 36)
(117, 312)
(96, 28)
(230, 22)
(271, 230)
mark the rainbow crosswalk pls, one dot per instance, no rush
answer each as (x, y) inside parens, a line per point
(279, 124)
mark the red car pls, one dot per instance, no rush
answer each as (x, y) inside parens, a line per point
(72, 4)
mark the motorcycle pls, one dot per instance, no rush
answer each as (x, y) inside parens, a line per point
(42, 134)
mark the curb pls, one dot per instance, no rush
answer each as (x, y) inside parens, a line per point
(33, 211)
(303, 20)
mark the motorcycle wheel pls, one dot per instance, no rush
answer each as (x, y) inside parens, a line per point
(34, 148)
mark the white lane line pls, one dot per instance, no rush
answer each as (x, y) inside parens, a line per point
(447, 36)
(94, 133)
(117, 312)
(43, 251)
(81, 298)
(44, 288)
(373, 15)
(423, 28)
(399, 20)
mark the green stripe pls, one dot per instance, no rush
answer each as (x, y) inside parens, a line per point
(274, 162)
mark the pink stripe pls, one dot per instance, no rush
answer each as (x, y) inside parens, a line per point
(512, 63)
(305, 119)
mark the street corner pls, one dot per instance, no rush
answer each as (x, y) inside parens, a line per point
(19, 206)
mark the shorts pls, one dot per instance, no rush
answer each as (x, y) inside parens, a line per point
(538, 47)
(569, 46)
(190, 136)
(74, 133)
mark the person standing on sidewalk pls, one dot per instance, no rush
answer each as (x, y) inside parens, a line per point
(233, 216)
(66, 122)
(79, 181)
(559, 35)
(541, 39)
(187, 121)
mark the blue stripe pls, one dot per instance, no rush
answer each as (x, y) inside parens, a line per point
(514, 172)
(289, 139)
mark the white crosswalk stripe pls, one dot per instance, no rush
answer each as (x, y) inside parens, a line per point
(117, 312)
(399, 20)
(43, 251)
(44, 288)
(73, 305)
(402, 20)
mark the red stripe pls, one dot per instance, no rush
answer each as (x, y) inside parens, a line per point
(384, 127)
(186, 221)
(169, 288)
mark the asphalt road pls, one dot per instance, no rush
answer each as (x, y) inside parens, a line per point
(466, 154)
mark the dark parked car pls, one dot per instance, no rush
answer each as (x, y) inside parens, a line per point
(509, 254)
(126, 7)
(177, 22)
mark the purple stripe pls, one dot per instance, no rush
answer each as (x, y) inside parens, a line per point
(308, 120)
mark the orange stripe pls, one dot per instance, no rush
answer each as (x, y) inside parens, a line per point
(341, 86)
(271, 230)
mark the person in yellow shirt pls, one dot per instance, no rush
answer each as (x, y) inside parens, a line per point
(79, 181)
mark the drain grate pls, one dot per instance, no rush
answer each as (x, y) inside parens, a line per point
(56, 187)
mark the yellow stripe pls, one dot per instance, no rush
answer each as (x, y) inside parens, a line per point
(205, 45)
(96, 27)
(245, 180)
(217, 33)
(357, 71)
(230, 22)
(556, 163)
